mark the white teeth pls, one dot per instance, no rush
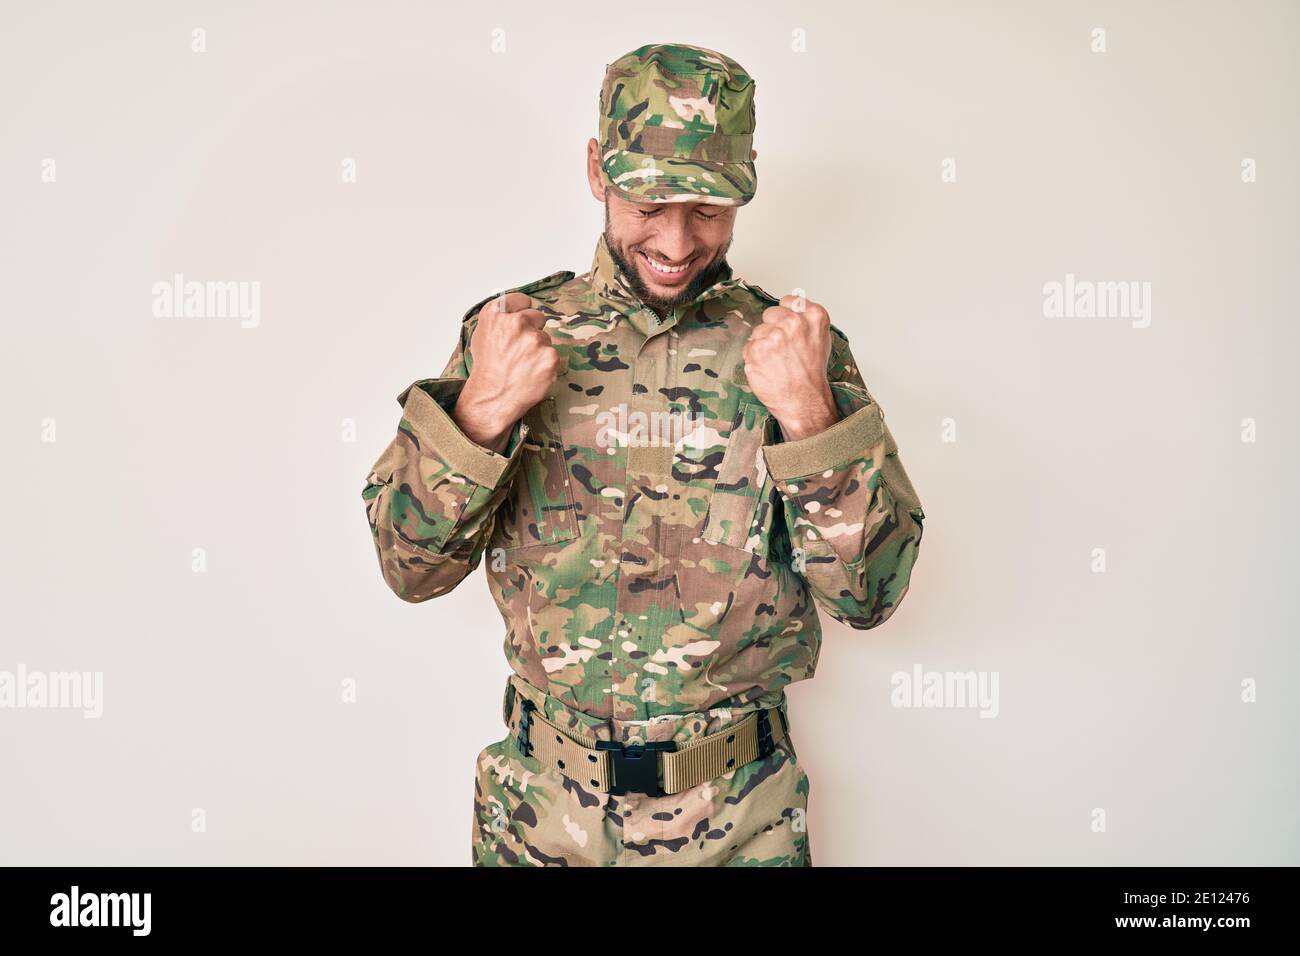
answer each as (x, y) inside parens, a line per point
(666, 270)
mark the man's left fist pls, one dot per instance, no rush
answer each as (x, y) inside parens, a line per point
(785, 362)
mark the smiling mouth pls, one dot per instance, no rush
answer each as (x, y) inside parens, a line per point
(670, 273)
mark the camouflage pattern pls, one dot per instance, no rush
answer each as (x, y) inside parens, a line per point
(640, 579)
(676, 125)
(527, 814)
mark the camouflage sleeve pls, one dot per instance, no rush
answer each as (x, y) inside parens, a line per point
(854, 518)
(431, 497)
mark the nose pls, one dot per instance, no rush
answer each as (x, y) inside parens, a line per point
(673, 242)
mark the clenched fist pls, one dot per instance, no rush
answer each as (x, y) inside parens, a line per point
(514, 365)
(785, 362)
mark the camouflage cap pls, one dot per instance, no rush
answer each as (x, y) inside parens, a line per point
(677, 125)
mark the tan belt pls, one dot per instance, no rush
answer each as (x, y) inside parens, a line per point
(655, 768)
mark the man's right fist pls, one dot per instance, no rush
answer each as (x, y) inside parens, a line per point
(514, 365)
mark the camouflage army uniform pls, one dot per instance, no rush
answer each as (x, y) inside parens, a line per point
(658, 555)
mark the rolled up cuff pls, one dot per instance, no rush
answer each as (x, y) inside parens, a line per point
(426, 405)
(861, 427)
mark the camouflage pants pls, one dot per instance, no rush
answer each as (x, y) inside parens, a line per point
(527, 814)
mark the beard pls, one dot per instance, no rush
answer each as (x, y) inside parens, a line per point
(706, 277)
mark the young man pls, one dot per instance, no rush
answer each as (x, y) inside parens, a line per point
(668, 470)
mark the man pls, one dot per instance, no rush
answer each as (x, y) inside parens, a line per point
(668, 470)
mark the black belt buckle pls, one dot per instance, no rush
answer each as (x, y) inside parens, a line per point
(636, 766)
(765, 742)
(523, 739)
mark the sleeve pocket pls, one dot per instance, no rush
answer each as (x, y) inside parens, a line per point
(740, 508)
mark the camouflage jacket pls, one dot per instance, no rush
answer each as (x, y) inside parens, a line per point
(652, 544)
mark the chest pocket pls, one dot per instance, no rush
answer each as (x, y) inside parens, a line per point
(740, 509)
(540, 509)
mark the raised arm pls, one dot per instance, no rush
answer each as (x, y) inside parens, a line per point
(431, 497)
(855, 520)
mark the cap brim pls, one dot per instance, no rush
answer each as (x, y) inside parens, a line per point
(640, 177)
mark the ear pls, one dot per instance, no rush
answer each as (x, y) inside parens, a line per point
(753, 155)
(595, 175)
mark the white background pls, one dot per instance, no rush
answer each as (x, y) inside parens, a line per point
(1118, 690)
